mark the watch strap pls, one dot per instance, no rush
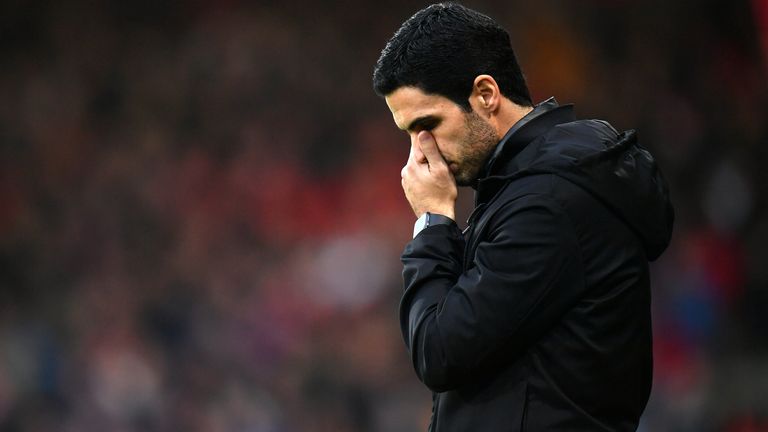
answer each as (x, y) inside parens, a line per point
(429, 219)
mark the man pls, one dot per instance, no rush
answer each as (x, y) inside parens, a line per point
(537, 316)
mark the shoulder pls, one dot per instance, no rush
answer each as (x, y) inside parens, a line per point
(580, 135)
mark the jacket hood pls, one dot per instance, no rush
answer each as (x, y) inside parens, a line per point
(612, 166)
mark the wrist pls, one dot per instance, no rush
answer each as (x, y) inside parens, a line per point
(448, 212)
(430, 219)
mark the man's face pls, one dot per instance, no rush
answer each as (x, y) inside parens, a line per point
(464, 139)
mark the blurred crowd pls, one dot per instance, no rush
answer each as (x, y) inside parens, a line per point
(201, 215)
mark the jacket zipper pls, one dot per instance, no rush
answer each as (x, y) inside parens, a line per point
(468, 231)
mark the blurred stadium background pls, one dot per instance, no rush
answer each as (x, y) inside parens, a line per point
(201, 215)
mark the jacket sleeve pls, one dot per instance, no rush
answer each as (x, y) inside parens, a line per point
(526, 272)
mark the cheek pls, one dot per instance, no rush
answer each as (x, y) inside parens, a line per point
(451, 142)
(444, 148)
(450, 148)
(452, 158)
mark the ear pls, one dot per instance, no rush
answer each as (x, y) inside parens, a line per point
(486, 96)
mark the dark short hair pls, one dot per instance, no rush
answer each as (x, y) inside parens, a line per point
(442, 48)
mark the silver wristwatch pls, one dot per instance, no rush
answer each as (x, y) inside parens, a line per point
(429, 219)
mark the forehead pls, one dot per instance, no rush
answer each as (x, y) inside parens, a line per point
(409, 103)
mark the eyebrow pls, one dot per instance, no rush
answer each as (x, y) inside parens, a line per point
(421, 122)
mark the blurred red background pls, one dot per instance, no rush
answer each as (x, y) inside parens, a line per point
(201, 215)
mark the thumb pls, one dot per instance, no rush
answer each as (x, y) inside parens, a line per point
(429, 148)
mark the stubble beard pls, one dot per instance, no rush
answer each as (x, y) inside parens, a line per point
(480, 141)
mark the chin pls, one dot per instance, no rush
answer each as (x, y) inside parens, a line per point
(466, 177)
(464, 180)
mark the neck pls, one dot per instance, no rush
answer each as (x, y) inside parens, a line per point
(507, 115)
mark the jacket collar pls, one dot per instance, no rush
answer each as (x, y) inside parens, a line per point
(543, 117)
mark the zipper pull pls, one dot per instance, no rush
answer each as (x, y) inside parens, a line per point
(471, 219)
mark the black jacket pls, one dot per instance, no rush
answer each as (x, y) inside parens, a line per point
(537, 317)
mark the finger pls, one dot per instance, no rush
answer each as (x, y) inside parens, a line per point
(410, 170)
(416, 154)
(428, 147)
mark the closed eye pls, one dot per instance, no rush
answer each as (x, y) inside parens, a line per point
(425, 123)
